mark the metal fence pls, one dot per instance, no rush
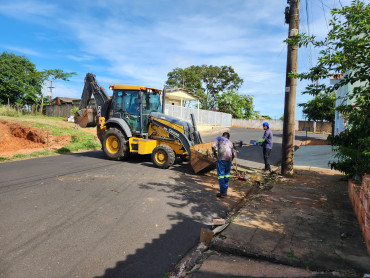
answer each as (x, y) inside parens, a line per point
(202, 117)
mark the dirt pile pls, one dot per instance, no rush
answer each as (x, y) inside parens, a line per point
(21, 139)
(314, 142)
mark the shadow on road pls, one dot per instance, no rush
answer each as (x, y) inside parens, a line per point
(195, 193)
(179, 165)
(149, 261)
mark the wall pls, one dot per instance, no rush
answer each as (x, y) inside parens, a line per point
(174, 101)
(274, 124)
(342, 99)
(63, 110)
(320, 127)
(360, 197)
(202, 117)
(306, 126)
(323, 127)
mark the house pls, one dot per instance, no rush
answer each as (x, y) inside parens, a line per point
(62, 100)
(178, 96)
(341, 98)
(175, 102)
(61, 106)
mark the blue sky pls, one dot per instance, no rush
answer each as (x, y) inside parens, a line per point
(139, 42)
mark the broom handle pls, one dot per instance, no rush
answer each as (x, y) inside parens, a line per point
(236, 163)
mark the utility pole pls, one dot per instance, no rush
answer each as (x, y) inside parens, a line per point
(42, 99)
(51, 90)
(291, 17)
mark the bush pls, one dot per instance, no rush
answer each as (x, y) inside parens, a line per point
(5, 110)
(74, 110)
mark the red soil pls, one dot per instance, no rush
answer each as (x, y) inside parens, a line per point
(16, 138)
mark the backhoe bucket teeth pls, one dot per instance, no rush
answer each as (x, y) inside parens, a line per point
(202, 157)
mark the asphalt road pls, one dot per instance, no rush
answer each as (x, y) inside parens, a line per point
(81, 215)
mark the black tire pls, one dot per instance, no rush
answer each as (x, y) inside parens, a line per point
(184, 158)
(163, 156)
(115, 145)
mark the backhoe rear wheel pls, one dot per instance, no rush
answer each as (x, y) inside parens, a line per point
(115, 145)
(163, 156)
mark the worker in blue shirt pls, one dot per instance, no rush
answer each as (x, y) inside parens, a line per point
(266, 145)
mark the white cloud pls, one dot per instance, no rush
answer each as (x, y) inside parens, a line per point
(25, 9)
(139, 42)
(66, 89)
(21, 50)
(80, 58)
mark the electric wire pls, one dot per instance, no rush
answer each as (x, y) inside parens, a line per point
(309, 34)
(326, 21)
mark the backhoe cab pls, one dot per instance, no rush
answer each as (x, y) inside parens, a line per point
(134, 104)
(131, 121)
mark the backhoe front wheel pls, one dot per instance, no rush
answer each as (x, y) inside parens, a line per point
(163, 156)
(115, 146)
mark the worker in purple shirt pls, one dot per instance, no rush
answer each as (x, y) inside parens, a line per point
(223, 149)
(266, 145)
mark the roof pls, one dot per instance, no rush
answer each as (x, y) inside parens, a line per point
(60, 100)
(185, 94)
(131, 87)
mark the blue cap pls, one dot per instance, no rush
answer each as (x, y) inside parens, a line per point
(266, 124)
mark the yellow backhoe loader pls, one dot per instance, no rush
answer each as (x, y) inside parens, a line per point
(132, 121)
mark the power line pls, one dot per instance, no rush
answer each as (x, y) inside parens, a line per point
(326, 21)
(309, 33)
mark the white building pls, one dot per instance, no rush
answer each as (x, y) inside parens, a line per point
(341, 98)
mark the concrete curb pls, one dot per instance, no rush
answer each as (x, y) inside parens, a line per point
(249, 252)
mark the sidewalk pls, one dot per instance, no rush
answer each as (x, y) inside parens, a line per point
(306, 222)
(303, 227)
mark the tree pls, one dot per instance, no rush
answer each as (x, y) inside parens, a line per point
(51, 75)
(239, 106)
(320, 108)
(185, 78)
(205, 81)
(267, 117)
(346, 50)
(19, 81)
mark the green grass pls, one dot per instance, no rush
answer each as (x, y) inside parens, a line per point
(292, 256)
(232, 219)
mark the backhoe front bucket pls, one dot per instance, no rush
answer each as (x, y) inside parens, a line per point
(202, 157)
